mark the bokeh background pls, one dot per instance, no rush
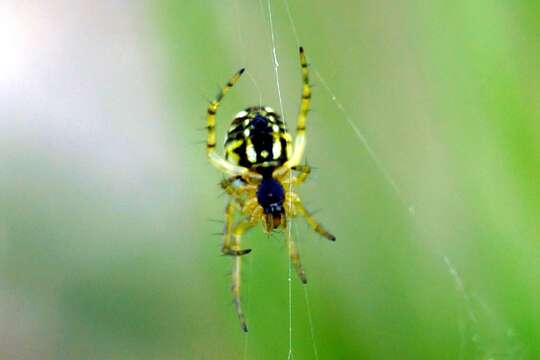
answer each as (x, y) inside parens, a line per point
(109, 210)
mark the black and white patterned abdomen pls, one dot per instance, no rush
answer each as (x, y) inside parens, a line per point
(258, 139)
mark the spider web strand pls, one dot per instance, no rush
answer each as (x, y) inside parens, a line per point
(275, 64)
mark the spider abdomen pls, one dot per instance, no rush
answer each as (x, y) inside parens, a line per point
(258, 139)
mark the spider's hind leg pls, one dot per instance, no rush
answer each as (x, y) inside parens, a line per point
(238, 231)
(295, 257)
(228, 248)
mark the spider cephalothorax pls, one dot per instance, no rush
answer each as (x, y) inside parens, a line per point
(270, 196)
(262, 167)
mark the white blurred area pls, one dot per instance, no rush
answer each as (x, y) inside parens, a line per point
(81, 97)
(78, 83)
(82, 140)
(81, 102)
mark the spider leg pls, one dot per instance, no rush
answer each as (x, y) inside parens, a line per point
(295, 257)
(304, 171)
(238, 231)
(237, 191)
(228, 247)
(215, 159)
(316, 226)
(300, 137)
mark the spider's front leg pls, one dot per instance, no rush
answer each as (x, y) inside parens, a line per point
(218, 161)
(300, 137)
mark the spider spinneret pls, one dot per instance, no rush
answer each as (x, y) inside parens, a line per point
(262, 167)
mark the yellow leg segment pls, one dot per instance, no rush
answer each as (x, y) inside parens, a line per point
(237, 192)
(300, 138)
(318, 228)
(228, 247)
(295, 257)
(303, 173)
(216, 160)
(238, 231)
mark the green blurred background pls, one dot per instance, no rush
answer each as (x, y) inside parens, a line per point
(108, 206)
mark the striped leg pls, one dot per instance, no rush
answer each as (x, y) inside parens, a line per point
(300, 178)
(216, 160)
(238, 231)
(237, 191)
(228, 248)
(318, 228)
(300, 137)
(303, 173)
(295, 257)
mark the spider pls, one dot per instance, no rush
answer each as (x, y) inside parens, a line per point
(262, 166)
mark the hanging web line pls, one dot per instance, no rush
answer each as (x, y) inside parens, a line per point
(275, 64)
(275, 60)
(247, 302)
(310, 321)
(460, 288)
(291, 22)
(364, 141)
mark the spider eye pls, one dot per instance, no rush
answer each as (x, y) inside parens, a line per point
(270, 195)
